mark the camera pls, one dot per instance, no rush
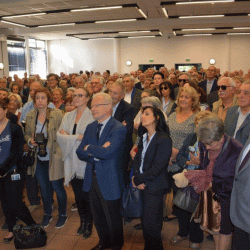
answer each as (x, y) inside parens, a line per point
(42, 142)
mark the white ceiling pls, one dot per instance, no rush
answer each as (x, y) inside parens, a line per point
(152, 8)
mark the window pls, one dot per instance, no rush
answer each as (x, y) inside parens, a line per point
(38, 57)
(16, 55)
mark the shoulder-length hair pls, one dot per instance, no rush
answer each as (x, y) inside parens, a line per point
(45, 91)
(193, 94)
(169, 85)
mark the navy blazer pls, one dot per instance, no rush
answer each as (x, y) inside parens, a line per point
(242, 134)
(155, 163)
(109, 171)
(203, 85)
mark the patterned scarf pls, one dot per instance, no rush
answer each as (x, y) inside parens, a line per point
(201, 179)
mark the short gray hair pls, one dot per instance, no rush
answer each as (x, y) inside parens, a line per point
(229, 79)
(153, 100)
(100, 78)
(105, 96)
(210, 129)
(131, 77)
(120, 84)
(71, 89)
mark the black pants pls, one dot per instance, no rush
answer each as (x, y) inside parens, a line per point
(152, 219)
(107, 217)
(82, 200)
(241, 239)
(11, 201)
(188, 228)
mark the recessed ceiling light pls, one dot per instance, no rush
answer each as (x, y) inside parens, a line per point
(138, 31)
(230, 34)
(205, 16)
(25, 15)
(198, 35)
(241, 28)
(165, 12)
(203, 2)
(143, 14)
(98, 8)
(16, 24)
(140, 36)
(53, 25)
(117, 21)
(204, 29)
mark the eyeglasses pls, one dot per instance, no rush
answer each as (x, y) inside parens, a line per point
(99, 105)
(223, 87)
(79, 95)
(165, 88)
(182, 80)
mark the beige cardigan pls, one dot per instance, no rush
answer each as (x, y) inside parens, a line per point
(56, 169)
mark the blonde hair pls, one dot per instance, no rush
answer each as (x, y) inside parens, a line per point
(203, 114)
(19, 100)
(193, 94)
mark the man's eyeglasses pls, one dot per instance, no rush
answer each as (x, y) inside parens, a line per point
(182, 80)
(79, 95)
(223, 87)
(165, 88)
(99, 105)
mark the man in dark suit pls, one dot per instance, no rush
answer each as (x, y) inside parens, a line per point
(102, 149)
(239, 205)
(123, 112)
(132, 94)
(140, 85)
(237, 122)
(209, 85)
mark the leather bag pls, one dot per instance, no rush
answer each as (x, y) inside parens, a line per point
(29, 237)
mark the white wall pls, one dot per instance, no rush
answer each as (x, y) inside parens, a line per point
(230, 52)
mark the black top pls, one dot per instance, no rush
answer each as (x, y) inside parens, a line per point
(74, 129)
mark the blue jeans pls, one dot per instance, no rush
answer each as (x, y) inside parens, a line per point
(47, 187)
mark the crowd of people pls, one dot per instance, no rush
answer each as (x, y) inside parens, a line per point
(161, 131)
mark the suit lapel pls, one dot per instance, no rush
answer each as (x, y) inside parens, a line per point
(233, 121)
(246, 122)
(118, 111)
(240, 157)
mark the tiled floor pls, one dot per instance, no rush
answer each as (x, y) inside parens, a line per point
(67, 239)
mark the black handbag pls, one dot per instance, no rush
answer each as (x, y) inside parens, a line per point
(29, 237)
(29, 158)
(184, 200)
(131, 203)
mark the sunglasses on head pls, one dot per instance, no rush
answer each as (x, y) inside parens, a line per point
(223, 87)
(182, 80)
(165, 88)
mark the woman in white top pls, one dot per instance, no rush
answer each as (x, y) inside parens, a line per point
(69, 137)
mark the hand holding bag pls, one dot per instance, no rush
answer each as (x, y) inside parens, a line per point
(29, 237)
(131, 203)
(29, 158)
(186, 199)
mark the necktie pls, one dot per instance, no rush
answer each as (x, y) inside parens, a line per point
(243, 163)
(99, 126)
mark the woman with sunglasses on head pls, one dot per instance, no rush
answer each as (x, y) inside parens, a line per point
(69, 136)
(150, 173)
(167, 97)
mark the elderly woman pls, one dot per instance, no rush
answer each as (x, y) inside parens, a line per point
(150, 171)
(238, 81)
(70, 92)
(12, 174)
(188, 158)
(69, 137)
(42, 124)
(57, 95)
(167, 97)
(181, 124)
(218, 156)
(15, 105)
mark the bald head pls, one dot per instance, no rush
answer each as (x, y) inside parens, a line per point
(33, 87)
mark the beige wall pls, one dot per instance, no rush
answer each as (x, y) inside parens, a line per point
(72, 55)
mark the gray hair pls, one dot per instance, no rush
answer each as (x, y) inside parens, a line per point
(81, 78)
(131, 77)
(185, 73)
(229, 80)
(18, 98)
(153, 100)
(210, 129)
(71, 89)
(120, 84)
(100, 78)
(105, 96)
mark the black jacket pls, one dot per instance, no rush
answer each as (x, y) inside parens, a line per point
(16, 152)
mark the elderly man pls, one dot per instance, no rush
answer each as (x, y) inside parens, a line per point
(183, 78)
(172, 79)
(124, 113)
(79, 82)
(132, 94)
(210, 84)
(226, 91)
(237, 122)
(97, 84)
(3, 83)
(240, 197)
(140, 85)
(165, 72)
(102, 149)
(116, 76)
